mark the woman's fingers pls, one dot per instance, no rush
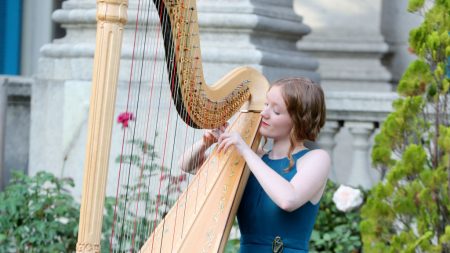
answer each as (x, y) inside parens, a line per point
(212, 134)
(227, 139)
(224, 142)
(226, 146)
(221, 142)
(223, 146)
(223, 137)
(223, 127)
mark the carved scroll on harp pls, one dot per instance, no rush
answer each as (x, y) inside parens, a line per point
(199, 105)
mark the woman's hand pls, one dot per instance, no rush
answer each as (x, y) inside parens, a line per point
(194, 157)
(211, 136)
(227, 139)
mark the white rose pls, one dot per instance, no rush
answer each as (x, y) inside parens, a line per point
(347, 198)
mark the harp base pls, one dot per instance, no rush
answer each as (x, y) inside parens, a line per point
(88, 248)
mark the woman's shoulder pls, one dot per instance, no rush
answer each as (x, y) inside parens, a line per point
(318, 157)
(318, 152)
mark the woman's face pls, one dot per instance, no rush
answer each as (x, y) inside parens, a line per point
(276, 122)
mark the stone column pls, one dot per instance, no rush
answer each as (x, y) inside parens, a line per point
(61, 93)
(327, 141)
(348, 43)
(360, 171)
(259, 33)
(37, 30)
(396, 22)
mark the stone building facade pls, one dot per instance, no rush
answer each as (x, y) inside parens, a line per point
(357, 50)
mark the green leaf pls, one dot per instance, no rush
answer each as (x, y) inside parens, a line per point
(415, 5)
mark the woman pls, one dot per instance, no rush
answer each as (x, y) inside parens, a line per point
(281, 199)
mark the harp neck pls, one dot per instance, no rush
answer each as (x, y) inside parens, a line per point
(207, 106)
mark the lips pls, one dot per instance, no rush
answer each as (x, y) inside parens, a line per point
(264, 124)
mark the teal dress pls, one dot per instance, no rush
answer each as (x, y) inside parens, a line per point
(267, 228)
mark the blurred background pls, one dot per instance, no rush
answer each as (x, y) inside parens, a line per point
(356, 49)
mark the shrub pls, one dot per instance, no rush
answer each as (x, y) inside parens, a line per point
(335, 230)
(38, 214)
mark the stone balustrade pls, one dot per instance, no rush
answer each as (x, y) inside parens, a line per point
(353, 119)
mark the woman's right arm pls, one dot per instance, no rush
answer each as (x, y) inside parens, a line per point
(194, 157)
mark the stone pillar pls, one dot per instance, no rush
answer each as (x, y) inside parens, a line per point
(396, 22)
(348, 43)
(347, 39)
(327, 141)
(37, 30)
(14, 125)
(258, 33)
(360, 171)
(61, 93)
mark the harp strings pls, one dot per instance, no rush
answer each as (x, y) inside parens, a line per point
(125, 192)
(177, 49)
(119, 218)
(138, 210)
(137, 223)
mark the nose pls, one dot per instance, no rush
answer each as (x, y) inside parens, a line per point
(264, 113)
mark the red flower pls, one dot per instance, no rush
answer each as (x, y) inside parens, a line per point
(182, 178)
(124, 117)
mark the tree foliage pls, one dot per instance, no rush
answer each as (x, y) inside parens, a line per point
(409, 210)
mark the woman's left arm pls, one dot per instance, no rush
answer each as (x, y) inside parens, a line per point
(311, 176)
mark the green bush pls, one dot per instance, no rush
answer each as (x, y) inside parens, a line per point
(334, 230)
(38, 214)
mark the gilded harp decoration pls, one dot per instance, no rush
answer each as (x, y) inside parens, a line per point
(189, 226)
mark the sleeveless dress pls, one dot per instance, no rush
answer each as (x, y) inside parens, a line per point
(267, 228)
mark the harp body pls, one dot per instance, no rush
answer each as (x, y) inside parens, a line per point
(207, 220)
(207, 216)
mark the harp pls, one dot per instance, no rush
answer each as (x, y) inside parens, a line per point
(210, 201)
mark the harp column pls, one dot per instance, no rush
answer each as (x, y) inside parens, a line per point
(111, 18)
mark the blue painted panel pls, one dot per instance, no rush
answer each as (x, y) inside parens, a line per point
(2, 33)
(10, 36)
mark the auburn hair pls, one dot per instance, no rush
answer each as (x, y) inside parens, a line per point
(305, 103)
